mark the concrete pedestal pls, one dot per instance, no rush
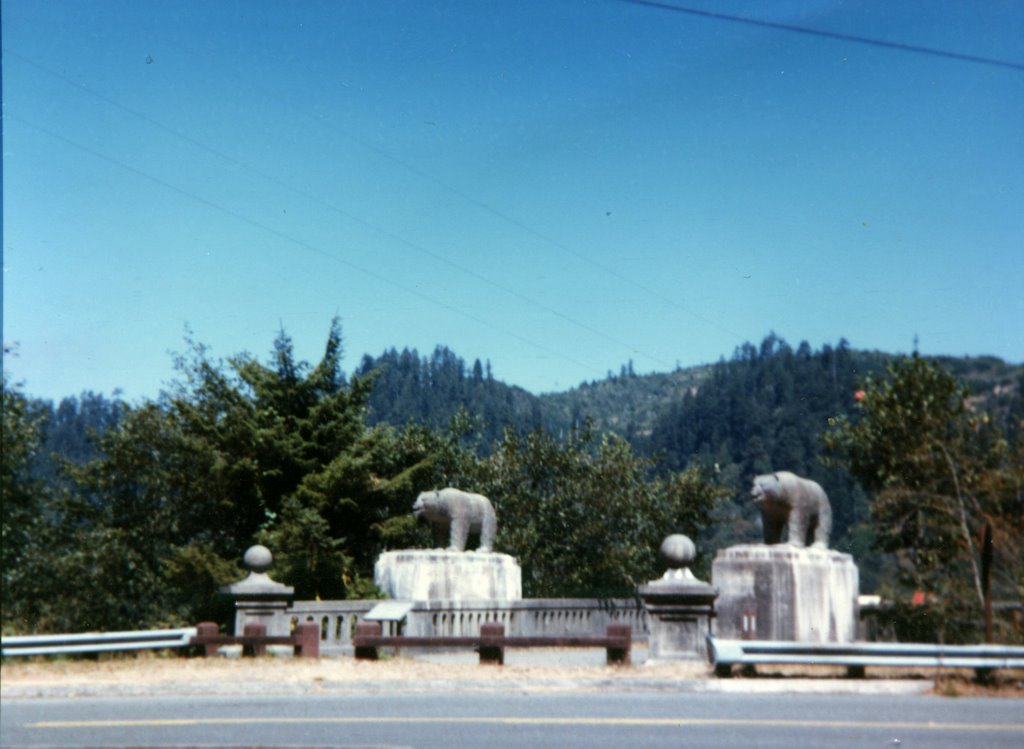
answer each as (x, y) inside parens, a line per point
(785, 593)
(431, 575)
(679, 612)
(258, 599)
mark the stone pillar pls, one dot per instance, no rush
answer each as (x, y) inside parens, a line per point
(258, 599)
(782, 592)
(679, 606)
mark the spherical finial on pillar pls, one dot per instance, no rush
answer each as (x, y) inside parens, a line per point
(258, 558)
(679, 606)
(678, 551)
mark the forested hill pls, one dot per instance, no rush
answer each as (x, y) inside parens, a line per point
(678, 413)
(432, 389)
(765, 408)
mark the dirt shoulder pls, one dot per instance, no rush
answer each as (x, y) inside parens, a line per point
(156, 675)
(542, 671)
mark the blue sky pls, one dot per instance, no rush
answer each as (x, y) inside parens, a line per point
(559, 187)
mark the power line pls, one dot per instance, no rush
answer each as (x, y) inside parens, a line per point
(340, 211)
(302, 244)
(507, 218)
(502, 215)
(827, 34)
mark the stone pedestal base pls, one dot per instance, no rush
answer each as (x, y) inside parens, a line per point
(432, 575)
(785, 593)
(679, 611)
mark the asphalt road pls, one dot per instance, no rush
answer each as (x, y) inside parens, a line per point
(453, 720)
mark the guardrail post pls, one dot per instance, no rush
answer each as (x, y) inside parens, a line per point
(208, 629)
(620, 637)
(307, 639)
(366, 629)
(492, 643)
(255, 629)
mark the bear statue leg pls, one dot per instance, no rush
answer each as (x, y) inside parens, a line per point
(441, 533)
(772, 529)
(459, 534)
(824, 529)
(488, 530)
(797, 529)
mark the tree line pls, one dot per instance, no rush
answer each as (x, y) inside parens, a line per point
(146, 512)
(144, 530)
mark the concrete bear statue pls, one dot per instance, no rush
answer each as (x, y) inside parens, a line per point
(456, 514)
(785, 498)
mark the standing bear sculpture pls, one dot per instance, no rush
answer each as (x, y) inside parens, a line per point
(787, 499)
(456, 514)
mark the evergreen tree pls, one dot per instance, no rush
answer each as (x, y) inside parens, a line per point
(239, 451)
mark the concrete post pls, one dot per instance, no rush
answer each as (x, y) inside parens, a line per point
(492, 643)
(307, 635)
(258, 599)
(621, 653)
(255, 629)
(367, 629)
(679, 606)
(208, 629)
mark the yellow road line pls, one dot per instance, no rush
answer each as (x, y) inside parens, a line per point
(526, 721)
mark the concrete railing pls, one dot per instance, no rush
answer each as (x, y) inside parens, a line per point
(96, 642)
(337, 620)
(527, 617)
(492, 641)
(522, 618)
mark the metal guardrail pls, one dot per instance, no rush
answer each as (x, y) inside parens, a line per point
(856, 656)
(96, 642)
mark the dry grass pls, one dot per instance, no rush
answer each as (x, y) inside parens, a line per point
(1002, 684)
(215, 674)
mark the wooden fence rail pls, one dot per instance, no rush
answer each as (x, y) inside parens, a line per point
(492, 642)
(254, 639)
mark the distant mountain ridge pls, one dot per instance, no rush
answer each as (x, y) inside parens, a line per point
(430, 389)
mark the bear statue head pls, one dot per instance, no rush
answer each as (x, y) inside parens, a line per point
(424, 504)
(766, 487)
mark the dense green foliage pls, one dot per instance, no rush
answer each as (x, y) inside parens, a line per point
(122, 516)
(144, 529)
(626, 404)
(585, 514)
(937, 471)
(70, 430)
(24, 497)
(240, 451)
